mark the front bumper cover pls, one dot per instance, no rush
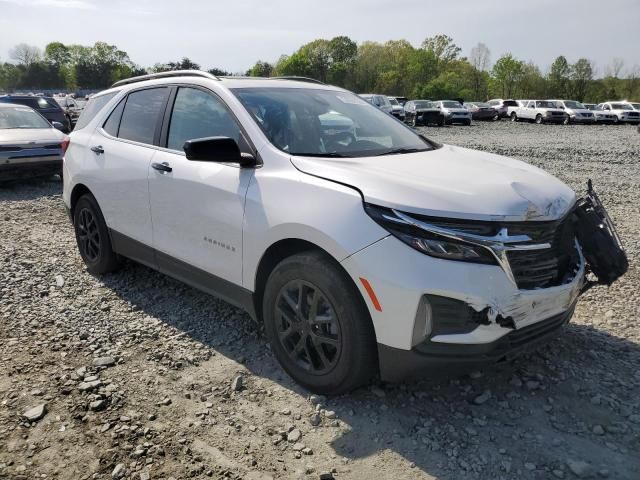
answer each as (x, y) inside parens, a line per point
(430, 358)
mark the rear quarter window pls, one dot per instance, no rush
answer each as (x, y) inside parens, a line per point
(91, 109)
(141, 114)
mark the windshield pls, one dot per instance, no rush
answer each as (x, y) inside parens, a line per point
(451, 104)
(545, 104)
(621, 106)
(572, 104)
(393, 101)
(21, 117)
(326, 123)
(423, 104)
(636, 106)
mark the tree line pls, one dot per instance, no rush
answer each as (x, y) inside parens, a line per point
(436, 69)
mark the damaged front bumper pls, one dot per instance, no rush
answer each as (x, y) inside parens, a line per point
(410, 340)
(430, 357)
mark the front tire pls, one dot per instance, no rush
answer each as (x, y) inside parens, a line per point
(566, 121)
(514, 117)
(318, 325)
(538, 119)
(92, 237)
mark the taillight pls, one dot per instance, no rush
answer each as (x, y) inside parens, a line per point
(65, 144)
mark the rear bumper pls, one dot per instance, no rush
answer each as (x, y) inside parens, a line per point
(431, 358)
(26, 167)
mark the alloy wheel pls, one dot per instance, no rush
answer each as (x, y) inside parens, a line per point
(307, 326)
(88, 235)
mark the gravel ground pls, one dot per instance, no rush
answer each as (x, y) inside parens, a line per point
(134, 375)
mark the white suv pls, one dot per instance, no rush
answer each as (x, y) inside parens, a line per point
(363, 248)
(623, 112)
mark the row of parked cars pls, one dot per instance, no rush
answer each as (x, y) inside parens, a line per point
(441, 112)
(567, 111)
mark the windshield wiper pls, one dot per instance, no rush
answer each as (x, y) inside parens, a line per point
(396, 151)
(319, 154)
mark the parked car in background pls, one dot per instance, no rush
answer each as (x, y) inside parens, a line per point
(501, 106)
(539, 111)
(71, 108)
(623, 112)
(46, 106)
(453, 112)
(423, 112)
(634, 105)
(405, 257)
(380, 101)
(481, 111)
(29, 145)
(576, 111)
(402, 100)
(397, 110)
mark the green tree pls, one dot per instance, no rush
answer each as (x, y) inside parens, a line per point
(559, 77)
(581, 77)
(506, 74)
(260, 69)
(442, 47)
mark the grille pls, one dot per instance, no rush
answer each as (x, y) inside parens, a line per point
(634, 114)
(550, 266)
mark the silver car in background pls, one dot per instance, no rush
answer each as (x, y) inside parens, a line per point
(576, 111)
(397, 110)
(453, 112)
(29, 145)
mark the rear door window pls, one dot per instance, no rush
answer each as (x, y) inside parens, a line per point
(91, 109)
(141, 114)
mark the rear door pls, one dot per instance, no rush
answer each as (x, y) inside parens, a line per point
(197, 208)
(119, 157)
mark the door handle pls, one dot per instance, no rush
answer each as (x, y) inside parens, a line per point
(161, 167)
(97, 149)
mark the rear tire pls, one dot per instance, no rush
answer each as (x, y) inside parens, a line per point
(318, 325)
(496, 117)
(92, 237)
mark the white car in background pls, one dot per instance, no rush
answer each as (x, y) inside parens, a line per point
(576, 111)
(364, 252)
(623, 112)
(453, 112)
(634, 105)
(539, 111)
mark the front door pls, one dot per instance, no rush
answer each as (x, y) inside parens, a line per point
(197, 208)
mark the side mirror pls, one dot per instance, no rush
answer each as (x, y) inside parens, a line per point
(57, 126)
(217, 149)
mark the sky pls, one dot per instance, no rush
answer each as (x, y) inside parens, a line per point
(233, 34)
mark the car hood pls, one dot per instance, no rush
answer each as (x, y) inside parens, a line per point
(455, 110)
(20, 136)
(549, 109)
(450, 182)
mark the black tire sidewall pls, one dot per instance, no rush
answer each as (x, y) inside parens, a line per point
(107, 260)
(356, 364)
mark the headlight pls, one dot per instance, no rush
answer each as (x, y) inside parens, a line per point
(428, 243)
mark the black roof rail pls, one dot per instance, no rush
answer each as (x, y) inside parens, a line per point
(298, 79)
(169, 74)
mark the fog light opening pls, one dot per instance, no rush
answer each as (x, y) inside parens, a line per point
(423, 324)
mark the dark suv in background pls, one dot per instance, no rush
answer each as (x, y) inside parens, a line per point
(46, 106)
